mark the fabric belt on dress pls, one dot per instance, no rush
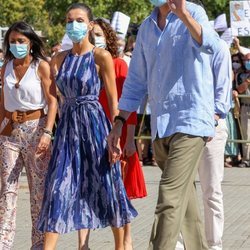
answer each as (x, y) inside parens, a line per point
(23, 116)
(81, 100)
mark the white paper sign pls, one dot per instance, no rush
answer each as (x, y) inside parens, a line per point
(220, 23)
(227, 36)
(120, 23)
(240, 18)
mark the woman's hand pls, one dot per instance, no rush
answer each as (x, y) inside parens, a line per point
(43, 145)
(129, 149)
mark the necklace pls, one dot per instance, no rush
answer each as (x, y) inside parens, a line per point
(20, 73)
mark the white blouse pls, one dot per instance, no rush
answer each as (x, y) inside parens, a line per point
(29, 95)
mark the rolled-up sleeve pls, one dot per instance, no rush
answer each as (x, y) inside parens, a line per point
(222, 73)
(210, 38)
(135, 86)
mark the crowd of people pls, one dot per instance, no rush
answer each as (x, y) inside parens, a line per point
(60, 119)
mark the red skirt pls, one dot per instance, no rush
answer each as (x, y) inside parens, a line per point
(133, 177)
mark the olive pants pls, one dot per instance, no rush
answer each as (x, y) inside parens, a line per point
(177, 207)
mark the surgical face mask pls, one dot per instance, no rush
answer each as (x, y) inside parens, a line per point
(76, 31)
(1, 63)
(247, 64)
(19, 50)
(120, 49)
(100, 42)
(236, 65)
(158, 3)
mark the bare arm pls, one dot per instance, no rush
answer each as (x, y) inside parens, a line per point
(2, 110)
(49, 90)
(107, 73)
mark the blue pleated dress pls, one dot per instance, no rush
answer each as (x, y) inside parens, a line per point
(82, 189)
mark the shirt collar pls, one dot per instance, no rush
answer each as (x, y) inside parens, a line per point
(154, 15)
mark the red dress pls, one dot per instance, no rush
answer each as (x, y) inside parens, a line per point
(134, 179)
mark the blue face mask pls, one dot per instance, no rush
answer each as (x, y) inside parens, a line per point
(76, 31)
(100, 42)
(158, 3)
(19, 50)
(1, 63)
(247, 64)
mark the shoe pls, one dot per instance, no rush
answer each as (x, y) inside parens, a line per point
(244, 164)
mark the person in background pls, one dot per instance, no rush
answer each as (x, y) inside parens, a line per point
(27, 90)
(242, 80)
(232, 149)
(121, 46)
(105, 37)
(84, 188)
(211, 166)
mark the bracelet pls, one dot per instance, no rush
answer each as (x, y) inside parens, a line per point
(48, 132)
(47, 135)
(120, 118)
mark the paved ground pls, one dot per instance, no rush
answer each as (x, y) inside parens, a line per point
(236, 187)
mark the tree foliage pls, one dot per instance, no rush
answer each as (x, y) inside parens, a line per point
(49, 15)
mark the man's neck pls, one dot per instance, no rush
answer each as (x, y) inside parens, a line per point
(164, 10)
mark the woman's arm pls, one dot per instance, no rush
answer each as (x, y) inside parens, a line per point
(107, 73)
(2, 109)
(49, 89)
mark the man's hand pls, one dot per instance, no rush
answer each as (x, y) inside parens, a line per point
(178, 7)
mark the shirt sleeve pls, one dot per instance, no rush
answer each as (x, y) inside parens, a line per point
(222, 74)
(135, 86)
(210, 38)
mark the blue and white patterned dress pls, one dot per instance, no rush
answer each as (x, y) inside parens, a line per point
(82, 189)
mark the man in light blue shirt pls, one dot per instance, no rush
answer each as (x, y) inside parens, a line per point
(171, 62)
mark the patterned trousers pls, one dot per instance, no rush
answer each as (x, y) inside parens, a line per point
(16, 152)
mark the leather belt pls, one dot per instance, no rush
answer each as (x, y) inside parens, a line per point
(23, 116)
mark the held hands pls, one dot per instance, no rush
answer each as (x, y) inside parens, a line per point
(178, 7)
(114, 143)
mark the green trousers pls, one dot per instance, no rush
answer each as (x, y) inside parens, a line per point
(177, 207)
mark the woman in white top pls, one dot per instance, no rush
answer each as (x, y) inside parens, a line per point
(27, 90)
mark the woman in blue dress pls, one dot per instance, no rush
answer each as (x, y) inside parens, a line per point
(84, 189)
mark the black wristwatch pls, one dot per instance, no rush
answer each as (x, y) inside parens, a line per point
(216, 123)
(120, 118)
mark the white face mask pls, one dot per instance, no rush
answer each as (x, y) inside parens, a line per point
(236, 65)
(100, 42)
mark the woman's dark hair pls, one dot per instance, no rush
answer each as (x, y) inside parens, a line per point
(110, 36)
(83, 7)
(37, 46)
(88, 10)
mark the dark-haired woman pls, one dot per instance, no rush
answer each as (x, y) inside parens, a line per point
(84, 189)
(27, 90)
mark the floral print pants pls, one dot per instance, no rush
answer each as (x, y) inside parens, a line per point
(18, 151)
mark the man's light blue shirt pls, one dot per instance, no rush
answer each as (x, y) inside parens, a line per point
(222, 73)
(175, 71)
